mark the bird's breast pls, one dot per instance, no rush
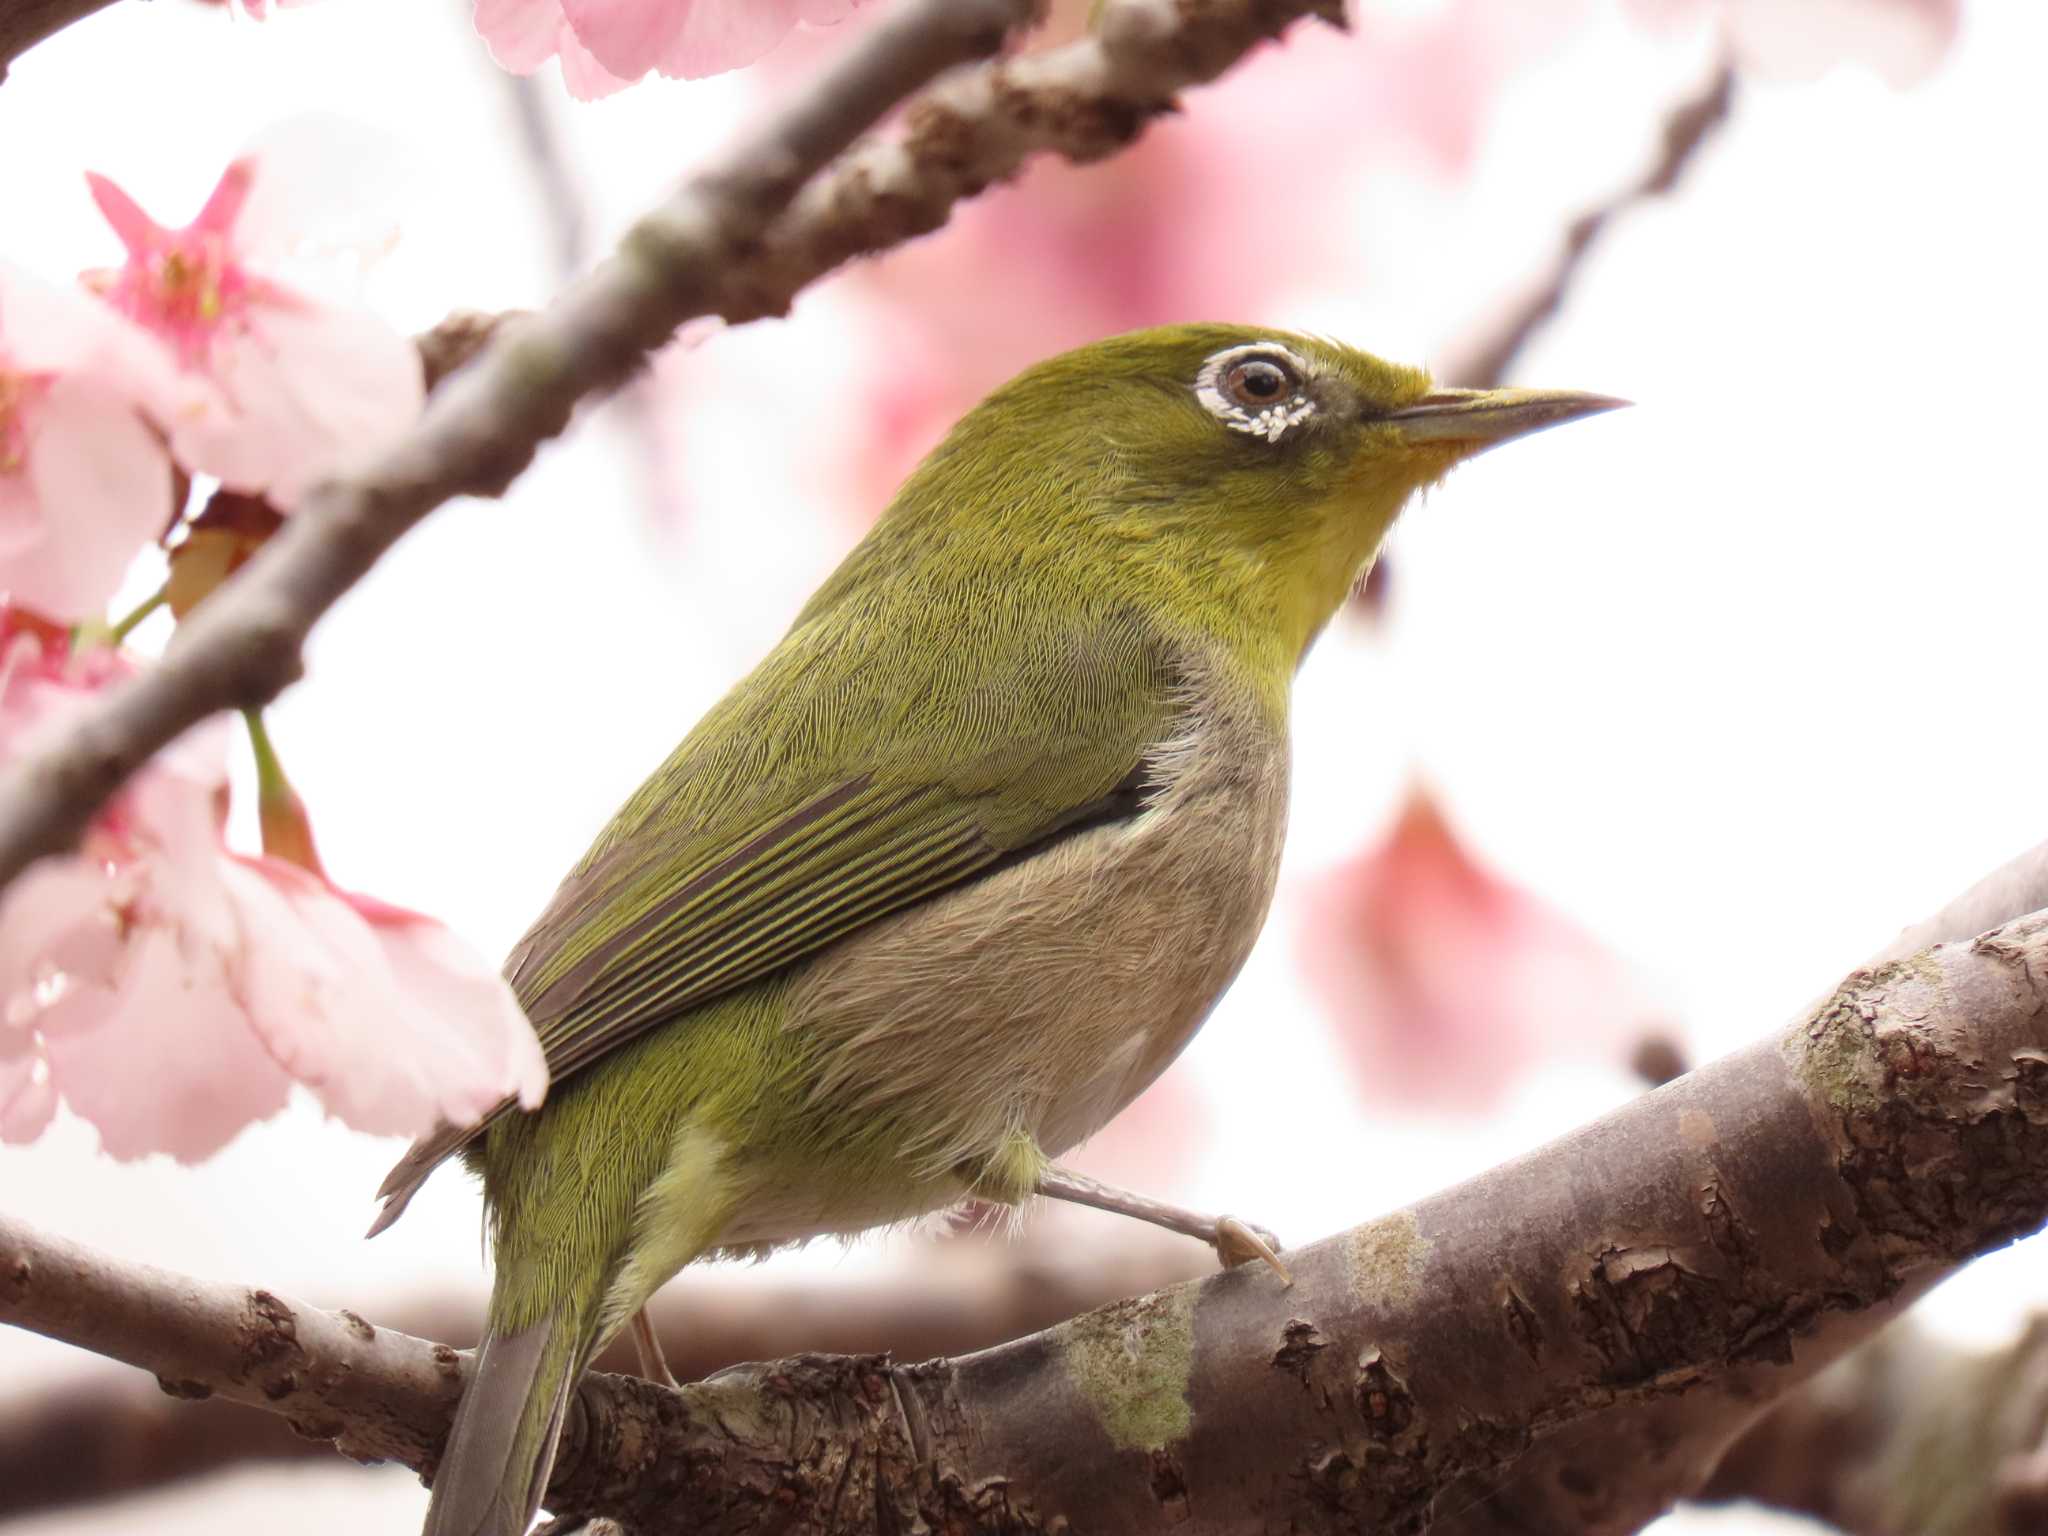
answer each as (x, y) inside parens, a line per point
(1047, 996)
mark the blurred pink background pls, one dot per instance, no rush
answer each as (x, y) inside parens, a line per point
(1668, 718)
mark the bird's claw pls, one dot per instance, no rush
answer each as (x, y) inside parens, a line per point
(1239, 1242)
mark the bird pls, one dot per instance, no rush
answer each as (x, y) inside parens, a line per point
(957, 870)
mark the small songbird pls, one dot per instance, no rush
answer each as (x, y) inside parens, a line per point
(957, 870)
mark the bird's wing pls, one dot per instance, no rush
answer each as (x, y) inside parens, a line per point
(765, 838)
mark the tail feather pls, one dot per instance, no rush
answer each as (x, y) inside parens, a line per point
(501, 1449)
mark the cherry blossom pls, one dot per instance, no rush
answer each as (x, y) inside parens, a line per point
(607, 44)
(522, 35)
(171, 991)
(1446, 981)
(85, 482)
(317, 963)
(286, 386)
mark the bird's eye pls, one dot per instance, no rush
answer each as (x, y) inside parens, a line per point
(1257, 382)
(1259, 388)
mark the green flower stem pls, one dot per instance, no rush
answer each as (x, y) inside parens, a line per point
(142, 610)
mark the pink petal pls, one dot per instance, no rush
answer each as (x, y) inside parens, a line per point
(394, 1029)
(1446, 982)
(625, 37)
(314, 388)
(136, 229)
(47, 329)
(688, 39)
(59, 943)
(582, 76)
(95, 489)
(471, 1014)
(224, 205)
(116, 965)
(717, 35)
(520, 34)
(36, 913)
(170, 1066)
(131, 1016)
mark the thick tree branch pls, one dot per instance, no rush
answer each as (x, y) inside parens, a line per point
(112, 1433)
(1484, 363)
(740, 241)
(1750, 1220)
(1620, 1469)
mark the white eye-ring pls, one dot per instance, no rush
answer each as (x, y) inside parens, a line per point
(1259, 388)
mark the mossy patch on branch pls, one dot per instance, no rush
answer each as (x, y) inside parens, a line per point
(1387, 1257)
(1132, 1361)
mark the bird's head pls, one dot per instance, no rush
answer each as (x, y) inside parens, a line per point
(1229, 465)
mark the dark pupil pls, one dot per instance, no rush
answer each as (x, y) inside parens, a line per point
(1261, 381)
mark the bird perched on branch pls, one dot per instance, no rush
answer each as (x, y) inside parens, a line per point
(957, 870)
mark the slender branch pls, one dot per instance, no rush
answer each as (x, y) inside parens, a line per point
(547, 167)
(24, 23)
(2019, 885)
(1745, 1224)
(739, 241)
(1484, 364)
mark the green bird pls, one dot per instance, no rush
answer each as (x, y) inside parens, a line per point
(957, 870)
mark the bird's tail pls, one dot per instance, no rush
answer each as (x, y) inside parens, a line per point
(502, 1446)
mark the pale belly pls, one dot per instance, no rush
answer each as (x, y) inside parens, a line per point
(1043, 999)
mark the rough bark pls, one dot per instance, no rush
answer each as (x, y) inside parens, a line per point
(1743, 1224)
(116, 1433)
(1618, 1470)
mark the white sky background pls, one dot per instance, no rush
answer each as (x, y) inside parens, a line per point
(1743, 679)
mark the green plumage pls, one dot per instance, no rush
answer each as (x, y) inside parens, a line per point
(958, 868)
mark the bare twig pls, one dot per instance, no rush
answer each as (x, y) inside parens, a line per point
(24, 23)
(1484, 363)
(2019, 885)
(1736, 1230)
(554, 184)
(738, 241)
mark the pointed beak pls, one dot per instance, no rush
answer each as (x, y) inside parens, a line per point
(1469, 421)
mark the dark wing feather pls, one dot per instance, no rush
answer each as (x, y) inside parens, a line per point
(725, 886)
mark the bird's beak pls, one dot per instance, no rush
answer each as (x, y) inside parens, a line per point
(1469, 421)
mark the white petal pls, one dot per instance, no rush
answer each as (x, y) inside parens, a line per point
(324, 202)
(314, 390)
(100, 484)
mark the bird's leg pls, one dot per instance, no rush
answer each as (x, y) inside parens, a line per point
(1236, 1242)
(653, 1365)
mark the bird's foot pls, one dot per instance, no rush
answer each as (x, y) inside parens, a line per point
(653, 1364)
(1236, 1242)
(1239, 1242)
